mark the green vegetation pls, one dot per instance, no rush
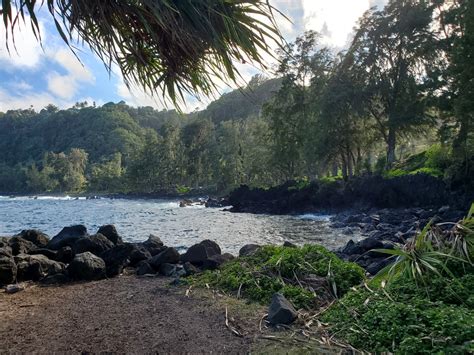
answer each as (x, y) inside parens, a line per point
(422, 303)
(366, 110)
(308, 276)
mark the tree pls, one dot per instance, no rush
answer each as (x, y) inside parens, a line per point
(174, 46)
(391, 49)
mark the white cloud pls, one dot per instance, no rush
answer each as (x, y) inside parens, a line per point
(66, 86)
(25, 51)
(20, 86)
(338, 17)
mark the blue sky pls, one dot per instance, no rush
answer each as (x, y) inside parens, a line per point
(35, 76)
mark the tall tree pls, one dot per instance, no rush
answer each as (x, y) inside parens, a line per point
(391, 49)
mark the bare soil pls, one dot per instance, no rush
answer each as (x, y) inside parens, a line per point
(126, 314)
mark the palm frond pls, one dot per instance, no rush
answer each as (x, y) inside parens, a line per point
(170, 46)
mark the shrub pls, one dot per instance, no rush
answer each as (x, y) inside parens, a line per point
(403, 319)
(438, 157)
(306, 276)
(394, 173)
(428, 171)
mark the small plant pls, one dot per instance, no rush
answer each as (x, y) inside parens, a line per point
(301, 183)
(182, 189)
(307, 276)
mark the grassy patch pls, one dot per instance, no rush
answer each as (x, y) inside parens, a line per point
(307, 276)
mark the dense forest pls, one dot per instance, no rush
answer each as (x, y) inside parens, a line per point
(397, 101)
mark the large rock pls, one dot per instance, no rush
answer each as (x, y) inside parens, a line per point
(199, 253)
(50, 254)
(139, 253)
(35, 267)
(281, 311)
(87, 266)
(96, 244)
(248, 249)
(20, 245)
(216, 261)
(144, 268)
(8, 270)
(168, 256)
(110, 232)
(67, 237)
(6, 251)
(65, 255)
(36, 237)
(117, 258)
(154, 245)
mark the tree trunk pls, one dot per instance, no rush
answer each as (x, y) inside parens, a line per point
(335, 169)
(344, 167)
(391, 145)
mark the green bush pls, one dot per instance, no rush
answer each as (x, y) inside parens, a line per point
(304, 275)
(390, 174)
(438, 157)
(407, 319)
(428, 171)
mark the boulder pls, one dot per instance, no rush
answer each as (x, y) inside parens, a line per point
(138, 254)
(96, 244)
(67, 237)
(281, 311)
(6, 251)
(154, 245)
(50, 254)
(8, 270)
(215, 261)
(144, 268)
(14, 288)
(248, 249)
(36, 237)
(168, 256)
(352, 248)
(65, 255)
(20, 245)
(110, 232)
(288, 244)
(117, 258)
(369, 244)
(199, 253)
(375, 266)
(35, 267)
(185, 203)
(190, 269)
(168, 269)
(87, 266)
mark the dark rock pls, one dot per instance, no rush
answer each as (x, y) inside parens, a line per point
(65, 255)
(36, 237)
(35, 267)
(248, 249)
(352, 248)
(96, 244)
(154, 245)
(168, 256)
(369, 244)
(167, 269)
(8, 270)
(6, 251)
(347, 231)
(185, 203)
(20, 245)
(50, 254)
(199, 253)
(375, 266)
(288, 244)
(87, 266)
(117, 258)
(57, 279)
(67, 237)
(110, 232)
(215, 261)
(138, 254)
(281, 311)
(190, 269)
(144, 268)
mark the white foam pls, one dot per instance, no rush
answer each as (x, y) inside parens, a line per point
(315, 217)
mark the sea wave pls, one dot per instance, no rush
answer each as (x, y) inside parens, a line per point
(315, 217)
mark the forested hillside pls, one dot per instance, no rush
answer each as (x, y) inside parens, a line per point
(397, 101)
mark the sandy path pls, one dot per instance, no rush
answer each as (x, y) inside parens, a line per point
(124, 314)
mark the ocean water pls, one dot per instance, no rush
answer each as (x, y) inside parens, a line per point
(135, 219)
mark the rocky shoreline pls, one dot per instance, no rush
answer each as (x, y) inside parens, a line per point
(74, 254)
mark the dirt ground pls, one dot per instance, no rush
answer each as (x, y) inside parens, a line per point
(126, 314)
